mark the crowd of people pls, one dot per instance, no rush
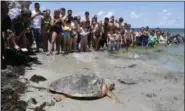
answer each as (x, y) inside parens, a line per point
(23, 28)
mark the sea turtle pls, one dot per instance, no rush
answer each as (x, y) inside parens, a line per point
(82, 86)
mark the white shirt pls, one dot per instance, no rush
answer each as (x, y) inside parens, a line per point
(37, 21)
(72, 25)
(162, 40)
(137, 34)
(14, 13)
(84, 32)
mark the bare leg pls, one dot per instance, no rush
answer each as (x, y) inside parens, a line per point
(74, 42)
(54, 36)
(65, 44)
(86, 44)
(68, 44)
(58, 44)
(82, 44)
(62, 42)
(97, 43)
(45, 42)
(71, 43)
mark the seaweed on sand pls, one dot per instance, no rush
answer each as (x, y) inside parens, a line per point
(11, 88)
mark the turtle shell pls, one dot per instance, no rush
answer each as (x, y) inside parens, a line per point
(78, 85)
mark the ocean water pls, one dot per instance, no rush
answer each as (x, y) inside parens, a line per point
(174, 54)
(173, 31)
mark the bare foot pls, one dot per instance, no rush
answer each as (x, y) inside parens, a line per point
(48, 54)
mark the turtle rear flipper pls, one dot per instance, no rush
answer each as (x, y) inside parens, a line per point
(59, 97)
(113, 96)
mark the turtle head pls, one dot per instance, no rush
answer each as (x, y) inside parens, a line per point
(110, 84)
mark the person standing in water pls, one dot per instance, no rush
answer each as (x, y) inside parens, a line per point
(152, 39)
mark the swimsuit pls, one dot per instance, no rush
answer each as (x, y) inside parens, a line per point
(67, 34)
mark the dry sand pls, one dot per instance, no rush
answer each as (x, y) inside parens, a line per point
(159, 81)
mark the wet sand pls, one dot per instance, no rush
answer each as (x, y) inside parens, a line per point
(157, 74)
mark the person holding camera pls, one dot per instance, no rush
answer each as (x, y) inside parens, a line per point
(36, 25)
(56, 30)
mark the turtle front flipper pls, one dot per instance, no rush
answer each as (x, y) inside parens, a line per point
(113, 96)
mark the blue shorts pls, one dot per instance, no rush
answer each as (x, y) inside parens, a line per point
(67, 35)
(117, 46)
(36, 34)
(111, 47)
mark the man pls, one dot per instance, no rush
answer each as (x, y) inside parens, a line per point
(87, 18)
(63, 13)
(106, 29)
(96, 32)
(36, 25)
(46, 26)
(121, 26)
(112, 24)
(128, 38)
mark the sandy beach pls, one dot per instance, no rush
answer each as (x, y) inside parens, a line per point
(157, 75)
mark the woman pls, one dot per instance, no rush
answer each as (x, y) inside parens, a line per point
(67, 36)
(46, 28)
(75, 29)
(152, 39)
(56, 29)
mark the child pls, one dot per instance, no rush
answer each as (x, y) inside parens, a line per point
(84, 32)
(111, 41)
(118, 39)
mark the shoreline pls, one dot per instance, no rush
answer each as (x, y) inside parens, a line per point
(154, 88)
